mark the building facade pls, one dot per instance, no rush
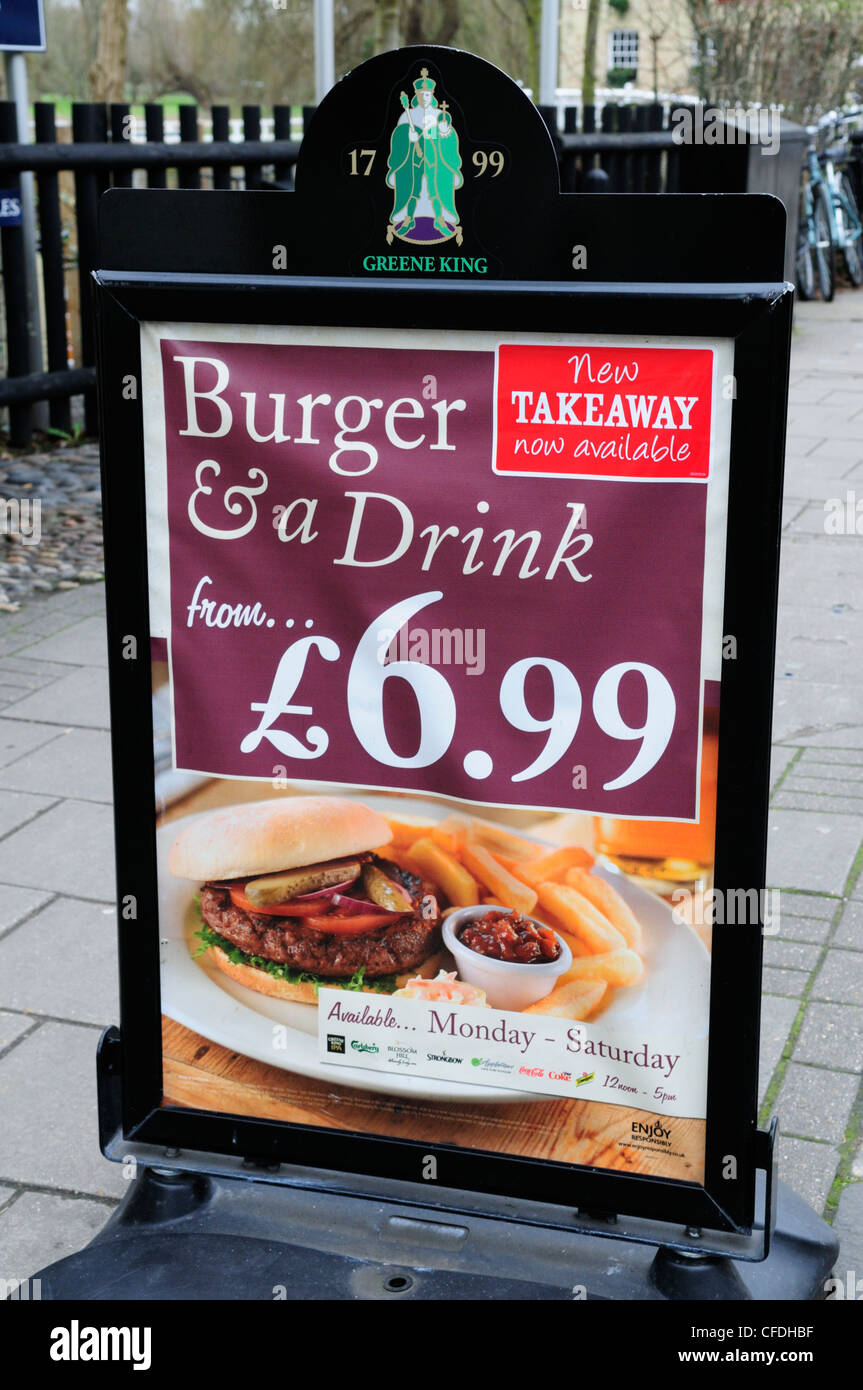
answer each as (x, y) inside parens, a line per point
(646, 42)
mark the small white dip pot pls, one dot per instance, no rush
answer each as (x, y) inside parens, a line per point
(507, 984)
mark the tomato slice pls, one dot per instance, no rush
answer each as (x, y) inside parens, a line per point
(340, 924)
(351, 924)
(288, 909)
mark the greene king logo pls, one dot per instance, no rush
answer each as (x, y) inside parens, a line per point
(424, 169)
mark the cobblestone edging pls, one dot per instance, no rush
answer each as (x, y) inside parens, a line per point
(52, 537)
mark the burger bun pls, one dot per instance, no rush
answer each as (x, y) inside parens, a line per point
(262, 837)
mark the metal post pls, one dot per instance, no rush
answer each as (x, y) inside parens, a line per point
(325, 63)
(16, 87)
(548, 52)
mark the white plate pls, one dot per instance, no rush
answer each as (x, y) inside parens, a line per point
(674, 991)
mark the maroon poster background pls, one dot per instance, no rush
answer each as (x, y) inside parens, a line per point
(631, 594)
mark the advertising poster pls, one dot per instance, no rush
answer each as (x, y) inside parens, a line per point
(437, 640)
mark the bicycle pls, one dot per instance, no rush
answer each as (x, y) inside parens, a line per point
(830, 220)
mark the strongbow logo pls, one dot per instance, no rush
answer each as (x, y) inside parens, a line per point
(444, 1057)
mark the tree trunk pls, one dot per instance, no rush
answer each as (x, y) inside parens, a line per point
(448, 15)
(387, 15)
(533, 21)
(588, 79)
(108, 73)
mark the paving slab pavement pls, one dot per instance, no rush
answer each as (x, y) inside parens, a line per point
(57, 945)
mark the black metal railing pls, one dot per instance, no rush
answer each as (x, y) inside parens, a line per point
(620, 148)
(70, 176)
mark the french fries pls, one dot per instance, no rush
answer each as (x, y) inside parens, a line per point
(609, 902)
(405, 832)
(444, 869)
(580, 918)
(547, 868)
(497, 838)
(403, 858)
(472, 862)
(510, 890)
(576, 1000)
(614, 967)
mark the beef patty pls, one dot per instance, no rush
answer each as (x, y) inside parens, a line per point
(387, 951)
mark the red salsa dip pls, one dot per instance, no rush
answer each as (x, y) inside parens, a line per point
(509, 936)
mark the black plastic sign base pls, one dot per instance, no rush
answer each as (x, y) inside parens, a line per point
(185, 1236)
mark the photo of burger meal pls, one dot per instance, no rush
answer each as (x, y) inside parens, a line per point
(265, 903)
(294, 896)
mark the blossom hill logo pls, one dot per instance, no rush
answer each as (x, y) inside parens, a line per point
(424, 169)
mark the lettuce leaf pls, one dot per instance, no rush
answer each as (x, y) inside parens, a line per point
(386, 984)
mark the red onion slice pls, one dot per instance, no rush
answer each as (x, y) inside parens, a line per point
(357, 905)
(322, 892)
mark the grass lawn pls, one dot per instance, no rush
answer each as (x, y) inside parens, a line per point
(63, 106)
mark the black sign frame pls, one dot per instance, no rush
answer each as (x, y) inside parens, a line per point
(757, 316)
(695, 266)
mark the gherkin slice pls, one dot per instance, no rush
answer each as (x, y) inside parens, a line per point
(384, 891)
(292, 883)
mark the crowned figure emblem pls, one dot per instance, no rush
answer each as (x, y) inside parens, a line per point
(424, 169)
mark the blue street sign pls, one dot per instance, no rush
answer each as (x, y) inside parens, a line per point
(10, 207)
(22, 25)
